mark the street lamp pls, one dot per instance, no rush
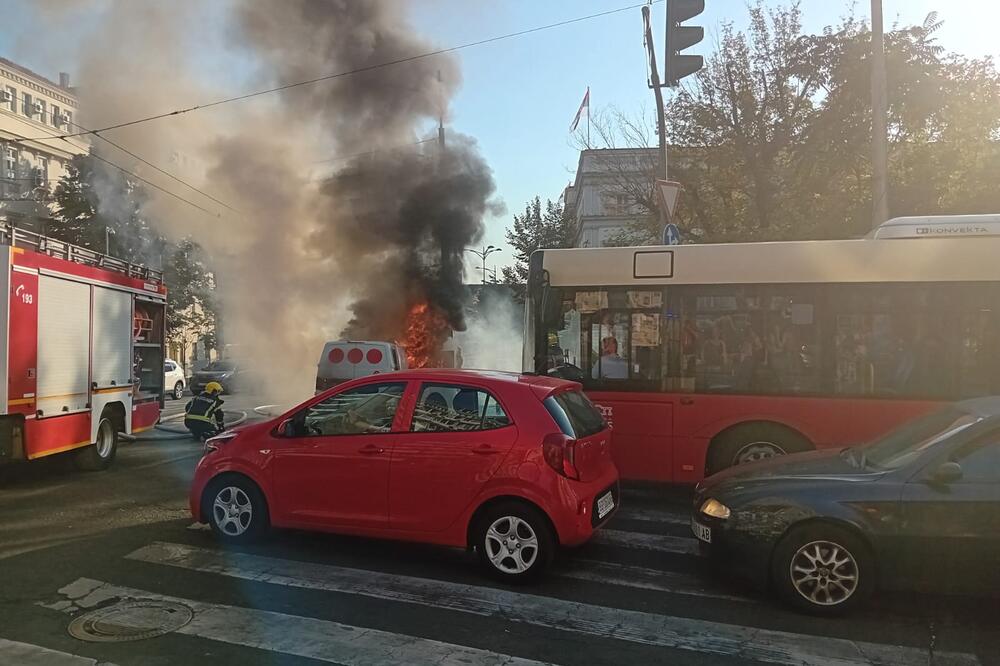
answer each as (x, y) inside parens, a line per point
(482, 254)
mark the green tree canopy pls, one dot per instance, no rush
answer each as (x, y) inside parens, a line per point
(537, 228)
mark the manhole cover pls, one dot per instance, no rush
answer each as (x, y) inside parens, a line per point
(130, 621)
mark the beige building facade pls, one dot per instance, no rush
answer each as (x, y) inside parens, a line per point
(33, 107)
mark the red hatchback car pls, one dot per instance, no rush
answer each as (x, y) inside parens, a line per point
(510, 465)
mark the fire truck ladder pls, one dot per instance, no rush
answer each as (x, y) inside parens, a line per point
(15, 237)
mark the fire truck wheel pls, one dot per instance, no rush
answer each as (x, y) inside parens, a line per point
(101, 453)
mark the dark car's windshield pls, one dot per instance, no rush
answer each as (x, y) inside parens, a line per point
(220, 366)
(902, 445)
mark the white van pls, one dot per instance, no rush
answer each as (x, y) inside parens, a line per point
(349, 359)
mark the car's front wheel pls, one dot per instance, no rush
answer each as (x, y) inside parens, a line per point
(235, 508)
(514, 542)
(823, 569)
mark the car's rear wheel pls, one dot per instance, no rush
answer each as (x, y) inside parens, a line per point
(514, 542)
(823, 569)
(235, 508)
(178, 390)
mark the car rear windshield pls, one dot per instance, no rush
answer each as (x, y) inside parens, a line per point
(575, 414)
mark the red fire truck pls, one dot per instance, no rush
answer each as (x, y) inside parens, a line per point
(81, 349)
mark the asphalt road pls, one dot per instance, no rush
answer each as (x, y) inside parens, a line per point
(71, 542)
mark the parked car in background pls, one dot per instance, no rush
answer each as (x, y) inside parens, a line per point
(231, 374)
(918, 508)
(343, 360)
(174, 379)
(512, 466)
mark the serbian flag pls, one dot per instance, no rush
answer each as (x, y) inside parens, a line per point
(585, 104)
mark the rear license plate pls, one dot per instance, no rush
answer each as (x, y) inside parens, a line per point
(703, 532)
(605, 503)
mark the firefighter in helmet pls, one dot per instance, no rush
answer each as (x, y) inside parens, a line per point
(203, 413)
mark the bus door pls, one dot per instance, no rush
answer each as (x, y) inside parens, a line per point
(624, 356)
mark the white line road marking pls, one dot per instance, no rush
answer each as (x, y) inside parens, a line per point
(293, 634)
(775, 647)
(26, 654)
(200, 527)
(642, 578)
(653, 515)
(642, 541)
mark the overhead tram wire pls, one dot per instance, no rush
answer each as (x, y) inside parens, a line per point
(360, 70)
(149, 164)
(22, 140)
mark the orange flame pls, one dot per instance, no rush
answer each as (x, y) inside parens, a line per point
(426, 331)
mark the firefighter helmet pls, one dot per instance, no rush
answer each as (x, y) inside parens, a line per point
(213, 387)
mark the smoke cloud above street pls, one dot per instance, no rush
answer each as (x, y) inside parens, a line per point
(349, 212)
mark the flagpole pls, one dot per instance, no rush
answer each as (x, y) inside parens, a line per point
(588, 117)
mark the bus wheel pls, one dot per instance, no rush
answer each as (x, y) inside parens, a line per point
(752, 442)
(101, 453)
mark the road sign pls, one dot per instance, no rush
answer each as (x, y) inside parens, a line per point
(668, 191)
(671, 235)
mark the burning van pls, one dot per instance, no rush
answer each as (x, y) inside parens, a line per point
(349, 359)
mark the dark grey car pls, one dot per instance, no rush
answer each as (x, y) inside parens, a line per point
(917, 509)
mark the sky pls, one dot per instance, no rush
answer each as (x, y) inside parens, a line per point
(518, 96)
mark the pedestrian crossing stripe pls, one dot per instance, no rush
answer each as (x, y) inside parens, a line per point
(21, 654)
(323, 640)
(702, 636)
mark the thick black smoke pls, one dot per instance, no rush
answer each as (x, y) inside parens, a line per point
(396, 221)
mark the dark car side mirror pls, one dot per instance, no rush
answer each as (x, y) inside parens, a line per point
(945, 473)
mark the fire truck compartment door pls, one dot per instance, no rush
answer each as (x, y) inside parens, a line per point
(112, 360)
(63, 346)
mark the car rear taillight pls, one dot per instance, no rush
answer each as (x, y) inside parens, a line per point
(560, 454)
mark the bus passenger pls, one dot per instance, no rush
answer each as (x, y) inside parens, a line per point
(610, 365)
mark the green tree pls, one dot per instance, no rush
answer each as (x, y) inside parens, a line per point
(537, 228)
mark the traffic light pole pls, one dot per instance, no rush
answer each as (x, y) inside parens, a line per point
(654, 83)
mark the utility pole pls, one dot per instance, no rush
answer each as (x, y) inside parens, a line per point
(880, 157)
(440, 117)
(654, 83)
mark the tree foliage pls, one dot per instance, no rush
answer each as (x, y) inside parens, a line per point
(772, 138)
(537, 228)
(100, 208)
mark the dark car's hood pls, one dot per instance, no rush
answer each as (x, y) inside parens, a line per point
(825, 465)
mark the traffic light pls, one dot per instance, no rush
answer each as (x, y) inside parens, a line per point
(680, 37)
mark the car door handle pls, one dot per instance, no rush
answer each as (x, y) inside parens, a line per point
(485, 450)
(687, 401)
(371, 450)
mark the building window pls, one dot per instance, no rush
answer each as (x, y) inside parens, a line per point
(42, 115)
(68, 118)
(56, 119)
(42, 172)
(26, 105)
(10, 163)
(12, 99)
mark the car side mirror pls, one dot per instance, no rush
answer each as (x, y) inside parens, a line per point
(945, 473)
(287, 428)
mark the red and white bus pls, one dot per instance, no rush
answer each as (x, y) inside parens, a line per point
(706, 356)
(81, 349)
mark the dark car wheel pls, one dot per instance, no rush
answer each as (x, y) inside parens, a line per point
(178, 390)
(514, 542)
(823, 569)
(235, 509)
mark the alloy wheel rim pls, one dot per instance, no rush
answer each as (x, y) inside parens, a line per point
(232, 511)
(824, 573)
(105, 438)
(511, 545)
(754, 451)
